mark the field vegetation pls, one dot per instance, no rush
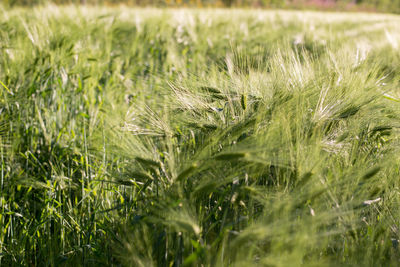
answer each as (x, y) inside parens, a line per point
(391, 6)
(147, 137)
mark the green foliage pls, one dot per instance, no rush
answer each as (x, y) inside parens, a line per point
(145, 137)
(390, 6)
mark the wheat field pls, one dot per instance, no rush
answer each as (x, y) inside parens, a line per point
(211, 137)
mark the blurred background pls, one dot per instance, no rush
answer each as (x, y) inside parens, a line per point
(390, 6)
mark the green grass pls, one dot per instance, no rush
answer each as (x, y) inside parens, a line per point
(145, 137)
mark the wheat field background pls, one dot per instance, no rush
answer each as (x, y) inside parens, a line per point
(182, 137)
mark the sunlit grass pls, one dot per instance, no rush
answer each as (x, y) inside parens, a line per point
(140, 137)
